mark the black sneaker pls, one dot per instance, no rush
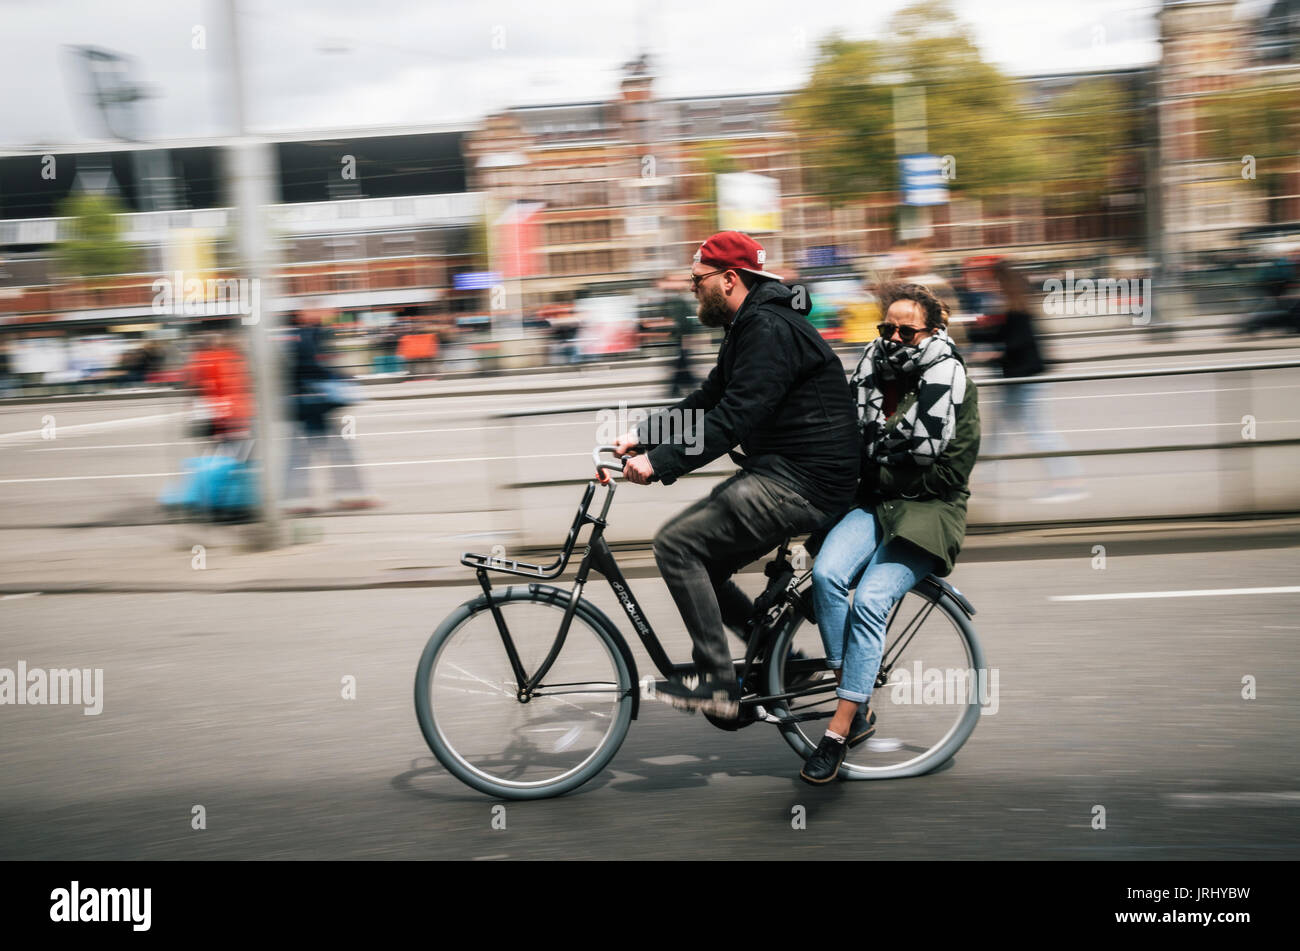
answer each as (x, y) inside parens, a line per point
(710, 694)
(824, 764)
(862, 727)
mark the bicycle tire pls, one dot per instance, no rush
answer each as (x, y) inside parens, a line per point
(937, 753)
(456, 764)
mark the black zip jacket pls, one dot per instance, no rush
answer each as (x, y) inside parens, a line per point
(780, 393)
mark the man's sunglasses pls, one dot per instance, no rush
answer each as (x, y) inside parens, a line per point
(906, 334)
(696, 278)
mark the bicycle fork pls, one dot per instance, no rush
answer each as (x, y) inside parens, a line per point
(526, 685)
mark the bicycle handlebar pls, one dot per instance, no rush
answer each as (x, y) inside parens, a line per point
(607, 466)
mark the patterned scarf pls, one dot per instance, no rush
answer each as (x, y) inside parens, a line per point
(924, 431)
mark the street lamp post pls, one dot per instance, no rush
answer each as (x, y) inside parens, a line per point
(250, 167)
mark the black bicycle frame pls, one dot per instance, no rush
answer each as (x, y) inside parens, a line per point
(597, 557)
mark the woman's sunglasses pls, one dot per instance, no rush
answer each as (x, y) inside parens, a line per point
(906, 334)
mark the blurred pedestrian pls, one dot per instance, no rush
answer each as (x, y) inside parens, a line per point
(1280, 307)
(418, 348)
(318, 392)
(678, 309)
(386, 343)
(564, 331)
(1008, 329)
(219, 484)
(218, 373)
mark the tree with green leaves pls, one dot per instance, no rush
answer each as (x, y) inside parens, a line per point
(844, 118)
(1086, 137)
(715, 156)
(845, 114)
(95, 248)
(1261, 123)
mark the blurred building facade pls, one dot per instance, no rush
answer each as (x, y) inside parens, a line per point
(1207, 197)
(367, 222)
(604, 197)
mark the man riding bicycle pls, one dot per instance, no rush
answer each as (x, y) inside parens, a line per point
(777, 391)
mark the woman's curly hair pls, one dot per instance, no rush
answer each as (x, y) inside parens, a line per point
(935, 310)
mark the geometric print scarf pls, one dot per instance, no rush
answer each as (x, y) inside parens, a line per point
(924, 431)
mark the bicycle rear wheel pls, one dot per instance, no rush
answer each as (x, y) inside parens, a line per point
(467, 696)
(927, 696)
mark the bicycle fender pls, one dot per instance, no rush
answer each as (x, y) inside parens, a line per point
(938, 585)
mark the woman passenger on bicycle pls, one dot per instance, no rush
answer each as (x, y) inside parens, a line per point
(918, 417)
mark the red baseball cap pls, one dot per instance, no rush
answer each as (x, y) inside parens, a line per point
(734, 251)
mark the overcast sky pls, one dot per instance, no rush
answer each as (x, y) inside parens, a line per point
(344, 64)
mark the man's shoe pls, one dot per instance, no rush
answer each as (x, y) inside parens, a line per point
(709, 693)
(862, 727)
(824, 764)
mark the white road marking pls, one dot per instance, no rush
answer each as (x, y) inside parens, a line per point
(433, 462)
(1209, 800)
(1106, 396)
(129, 445)
(566, 741)
(1120, 429)
(672, 759)
(103, 424)
(349, 465)
(1195, 593)
(86, 478)
(359, 435)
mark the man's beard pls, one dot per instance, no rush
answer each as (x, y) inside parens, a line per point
(713, 309)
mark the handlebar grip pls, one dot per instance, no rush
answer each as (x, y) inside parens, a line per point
(602, 467)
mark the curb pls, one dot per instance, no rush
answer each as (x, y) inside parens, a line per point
(1121, 540)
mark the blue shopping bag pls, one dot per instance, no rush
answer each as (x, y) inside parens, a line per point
(215, 484)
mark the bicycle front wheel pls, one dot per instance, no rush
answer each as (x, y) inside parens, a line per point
(927, 697)
(467, 696)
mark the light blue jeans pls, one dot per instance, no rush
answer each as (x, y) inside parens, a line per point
(854, 634)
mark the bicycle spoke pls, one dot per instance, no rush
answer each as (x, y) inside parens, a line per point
(923, 712)
(488, 731)
(905, 638)
(477, 679)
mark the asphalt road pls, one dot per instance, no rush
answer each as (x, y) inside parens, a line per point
(233, 702)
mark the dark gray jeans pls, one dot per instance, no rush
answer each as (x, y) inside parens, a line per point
(699, 550)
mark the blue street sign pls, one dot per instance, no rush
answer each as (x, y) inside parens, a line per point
(475, 280)
(922, 180)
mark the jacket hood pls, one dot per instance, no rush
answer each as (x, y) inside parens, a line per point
(783, 294)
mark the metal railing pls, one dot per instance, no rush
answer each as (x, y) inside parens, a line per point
(1235, 496)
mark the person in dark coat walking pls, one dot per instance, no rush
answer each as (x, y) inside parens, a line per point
(1008, 328)
(314, 401)
(677, 309)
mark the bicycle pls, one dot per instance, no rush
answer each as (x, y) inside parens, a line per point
(528, 692)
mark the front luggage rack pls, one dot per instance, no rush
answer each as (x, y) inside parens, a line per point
(484, 563)
(510, 565)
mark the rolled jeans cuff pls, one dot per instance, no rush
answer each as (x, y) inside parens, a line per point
(850, 695)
